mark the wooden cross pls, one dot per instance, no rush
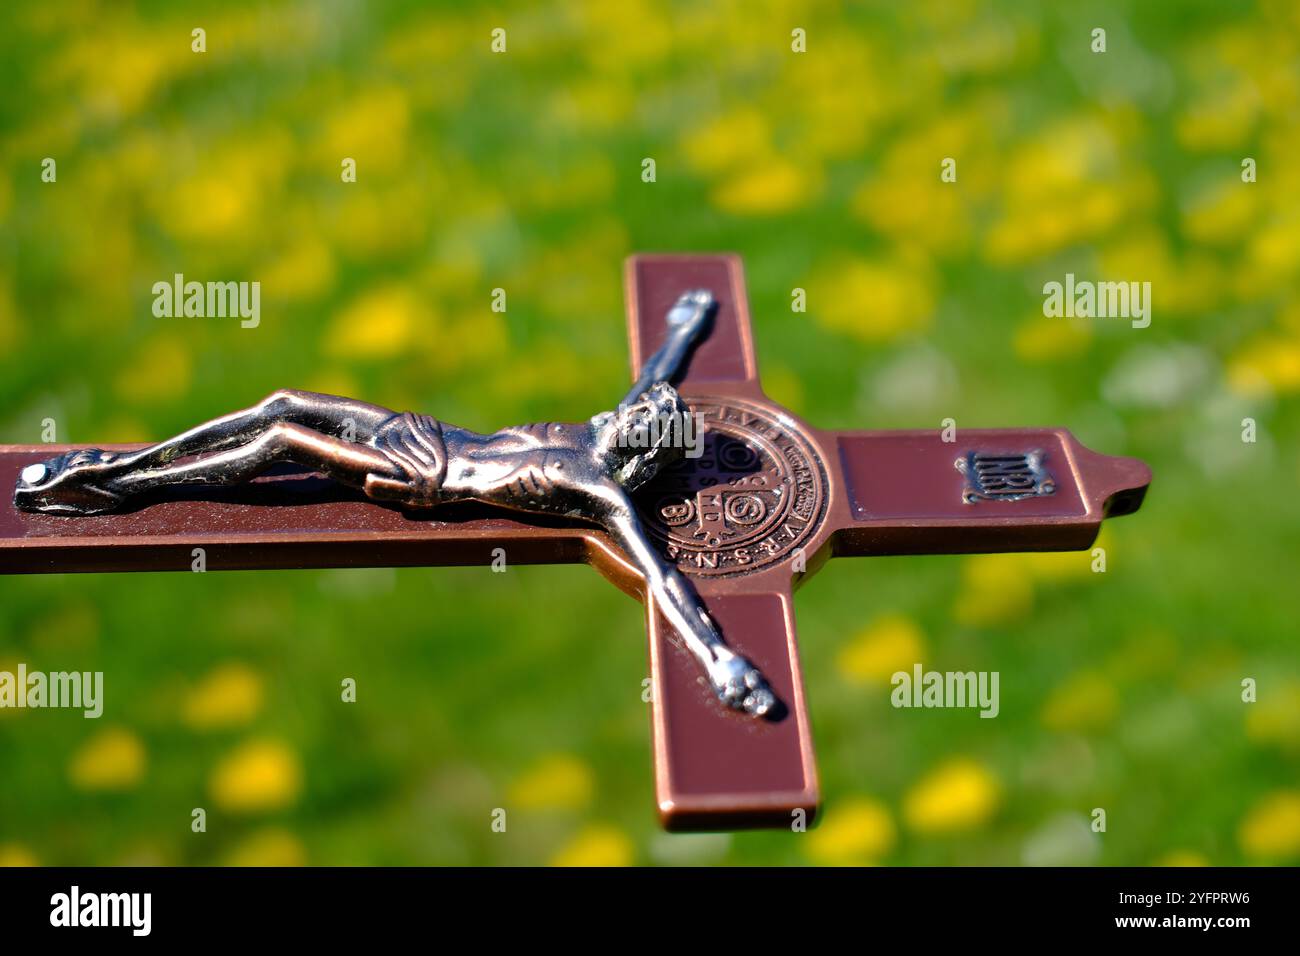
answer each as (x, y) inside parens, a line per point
(766, 504)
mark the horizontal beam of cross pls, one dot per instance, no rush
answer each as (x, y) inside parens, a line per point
(316, 524)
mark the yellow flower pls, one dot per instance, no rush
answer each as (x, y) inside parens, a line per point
(1271, 830)
(1059, 566)
(1223, 214)
(15, 854)
(145, 59)
(1274, 250)
(1085, 702)
(624, 37)
(996, 588)
(844, 90)
(1064, 186)
(890, 644)
(259, 776)
(558, 782)
(915, 205)
(1045, 338)
(1221, 119)
(111, 760)
(1268, 364)
(378, 325)
(210, 206)
(1289, 320)
(230, 696)
(728, 141)
(873, 301)
(1183, 858)
(303, 271)
(370, 127)
(599, 844)
(1143, 253)
(858, 831)
(771, 186)
(908, 199)
(1275, 718)
(782, 385)
(273, 846)
(224, 197)
(959, 795)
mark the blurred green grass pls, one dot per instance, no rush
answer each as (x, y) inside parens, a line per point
(522, 171)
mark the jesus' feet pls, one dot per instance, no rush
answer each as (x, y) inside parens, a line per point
(75, 483)
(741, 686)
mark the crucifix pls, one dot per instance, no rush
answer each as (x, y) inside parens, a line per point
(697, 494)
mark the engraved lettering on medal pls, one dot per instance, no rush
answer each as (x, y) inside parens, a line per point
(756, 491)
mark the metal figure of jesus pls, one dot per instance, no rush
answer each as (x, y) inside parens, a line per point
(415, 461)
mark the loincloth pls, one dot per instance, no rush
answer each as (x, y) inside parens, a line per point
(413, 444)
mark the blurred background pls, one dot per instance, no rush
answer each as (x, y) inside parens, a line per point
(1120, 690)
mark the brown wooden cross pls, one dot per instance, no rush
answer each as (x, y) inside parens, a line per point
(768, 502)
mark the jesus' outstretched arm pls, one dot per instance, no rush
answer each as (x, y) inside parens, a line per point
(736, 682)
(688, 323)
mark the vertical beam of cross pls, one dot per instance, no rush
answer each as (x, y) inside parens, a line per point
(714, 769)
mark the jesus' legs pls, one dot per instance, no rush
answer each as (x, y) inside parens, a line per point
(286, 426)
(345, 462)
(345, 418)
